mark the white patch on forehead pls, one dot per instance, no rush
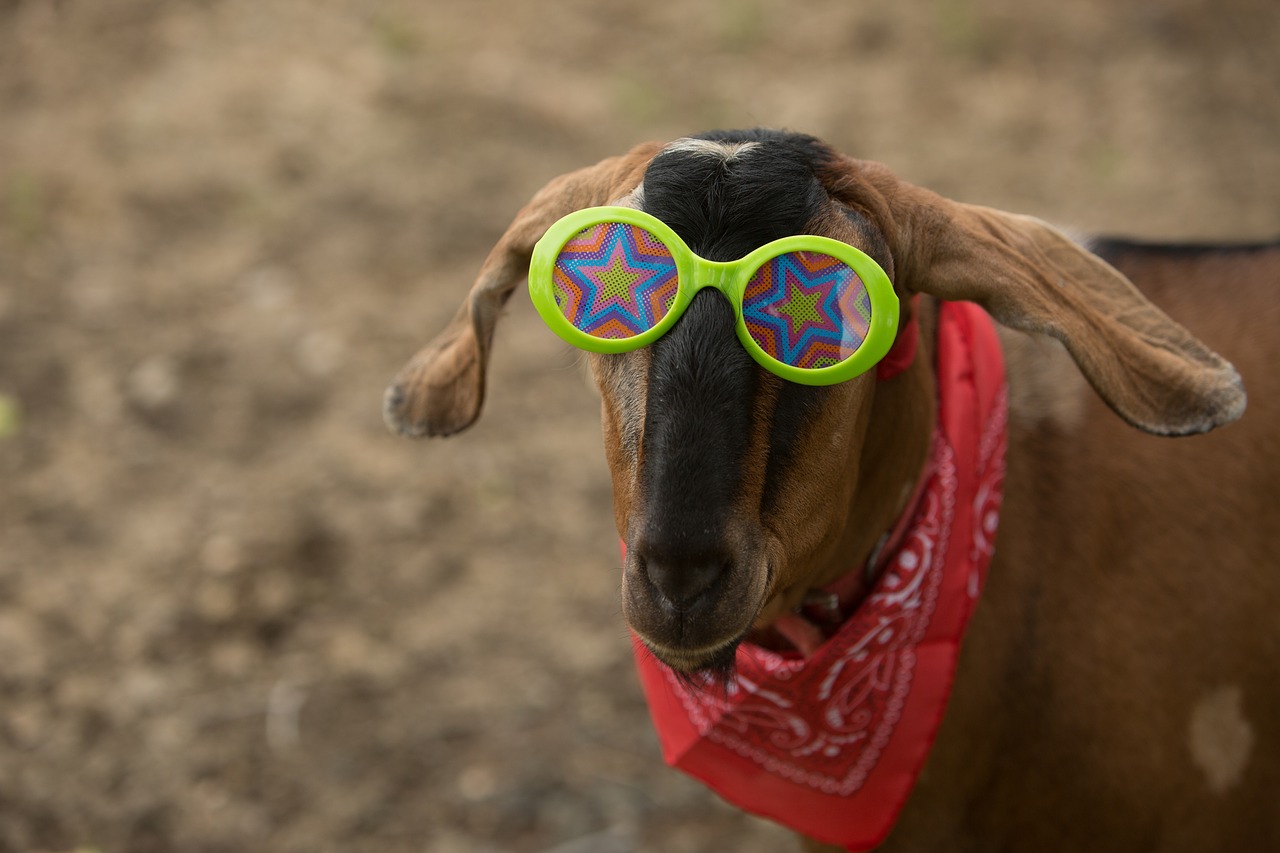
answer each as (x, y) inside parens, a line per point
(726, 151)
(633, 199)
(1221, 738)
(1045, 385)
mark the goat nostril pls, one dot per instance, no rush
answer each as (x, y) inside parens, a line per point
(682, 582)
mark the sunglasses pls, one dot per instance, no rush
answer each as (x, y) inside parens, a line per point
(810, 309)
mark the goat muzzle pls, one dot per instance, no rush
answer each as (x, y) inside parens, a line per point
(691, 607)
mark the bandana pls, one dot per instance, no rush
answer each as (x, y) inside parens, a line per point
(830, 745)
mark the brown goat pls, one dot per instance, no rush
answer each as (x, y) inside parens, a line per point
(1119, 686)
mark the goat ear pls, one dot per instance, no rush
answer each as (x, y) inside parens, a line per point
(1029, 276)
(441, 389)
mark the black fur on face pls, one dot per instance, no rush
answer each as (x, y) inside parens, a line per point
(725, 195)
(726, 206)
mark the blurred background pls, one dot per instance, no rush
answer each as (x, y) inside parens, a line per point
(235, 612)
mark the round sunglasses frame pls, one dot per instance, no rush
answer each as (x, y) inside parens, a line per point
(694, 273)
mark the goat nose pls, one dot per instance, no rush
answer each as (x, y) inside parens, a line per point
(683, 581)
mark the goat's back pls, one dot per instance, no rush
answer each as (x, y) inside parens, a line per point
(1120, 686)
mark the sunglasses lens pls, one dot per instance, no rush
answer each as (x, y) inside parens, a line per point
(807, 309)
(614, 280)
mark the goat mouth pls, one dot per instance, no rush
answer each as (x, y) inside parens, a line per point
(716, 659)
(705, 637)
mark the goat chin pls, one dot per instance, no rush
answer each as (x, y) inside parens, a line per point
(714, 659)
(687, 644)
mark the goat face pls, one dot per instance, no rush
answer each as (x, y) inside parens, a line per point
(726, 478)
(736, 491)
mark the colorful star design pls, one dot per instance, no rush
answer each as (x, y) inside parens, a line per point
(801, 308)
(616, 280)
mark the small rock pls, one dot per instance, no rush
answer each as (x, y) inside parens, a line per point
(154, 383)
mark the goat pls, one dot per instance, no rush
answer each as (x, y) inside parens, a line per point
(1119, 684)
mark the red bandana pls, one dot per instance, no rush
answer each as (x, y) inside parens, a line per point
(830, 745)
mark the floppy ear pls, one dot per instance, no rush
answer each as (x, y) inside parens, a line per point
(441, 389)
(1029, 276)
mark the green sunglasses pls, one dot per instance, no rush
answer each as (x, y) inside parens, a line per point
(810, 309)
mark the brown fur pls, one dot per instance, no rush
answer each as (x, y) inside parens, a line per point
(1134, 586)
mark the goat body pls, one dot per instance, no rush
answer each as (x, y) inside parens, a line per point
(1119, 687)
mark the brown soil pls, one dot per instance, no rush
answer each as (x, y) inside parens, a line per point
(235, 613)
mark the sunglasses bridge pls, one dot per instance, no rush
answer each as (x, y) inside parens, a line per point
(714, 274)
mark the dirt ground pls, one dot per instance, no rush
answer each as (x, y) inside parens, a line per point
(236, 614)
